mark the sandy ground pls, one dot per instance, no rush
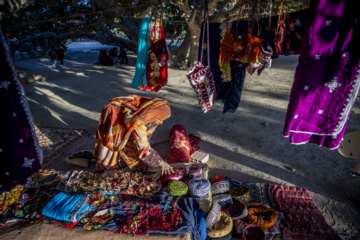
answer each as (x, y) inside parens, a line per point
(239, 144)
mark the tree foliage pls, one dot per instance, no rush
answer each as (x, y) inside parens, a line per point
(116, 22)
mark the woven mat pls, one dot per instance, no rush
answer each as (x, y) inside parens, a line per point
(56, 140)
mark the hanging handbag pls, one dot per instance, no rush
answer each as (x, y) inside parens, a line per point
(247, 47)
(201, 78)
(280, 31)
(264, 56)
(291, 29)
(226, 51)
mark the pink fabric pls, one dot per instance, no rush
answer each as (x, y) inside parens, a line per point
(302, 218)
(182, 145)
(327, 78)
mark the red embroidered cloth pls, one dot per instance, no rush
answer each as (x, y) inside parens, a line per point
(182, 145)
(156, 75)
(302, 218)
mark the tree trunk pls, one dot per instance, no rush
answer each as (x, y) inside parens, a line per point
(187, 53)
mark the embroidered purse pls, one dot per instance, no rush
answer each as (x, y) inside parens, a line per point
(226, 52)
(247, 47)
(201, 78)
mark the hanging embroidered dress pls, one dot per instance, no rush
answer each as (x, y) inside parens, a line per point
(327, 77)
(20, 153)
(125, 127)
(142, 54)
(156, 75)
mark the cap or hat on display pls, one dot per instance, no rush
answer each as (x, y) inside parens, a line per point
(194, 170)
(253, 232)
(177, 188)
(237, 211)
(220, 187)
(240, 193)
(199, 187)
(224, 200)
(222, 227)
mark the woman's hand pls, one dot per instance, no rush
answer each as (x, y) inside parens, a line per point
(166, 169)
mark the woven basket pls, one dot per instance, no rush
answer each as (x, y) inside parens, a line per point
(240, 193)
(253, 232)
(237, 211)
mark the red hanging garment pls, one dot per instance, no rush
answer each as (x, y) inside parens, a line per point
(157, 65)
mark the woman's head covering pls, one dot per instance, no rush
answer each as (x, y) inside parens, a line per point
(122, 115)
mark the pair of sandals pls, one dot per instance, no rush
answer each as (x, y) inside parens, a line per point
(84, 154)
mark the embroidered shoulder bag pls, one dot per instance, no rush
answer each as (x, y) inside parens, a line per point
(201, 78)
(247, 48)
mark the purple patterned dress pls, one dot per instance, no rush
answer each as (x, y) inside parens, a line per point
(20, 153)
(327, 79)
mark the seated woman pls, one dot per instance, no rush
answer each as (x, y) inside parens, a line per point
(105, 60)
(125, 128)
(123, 57)
(113, 55)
